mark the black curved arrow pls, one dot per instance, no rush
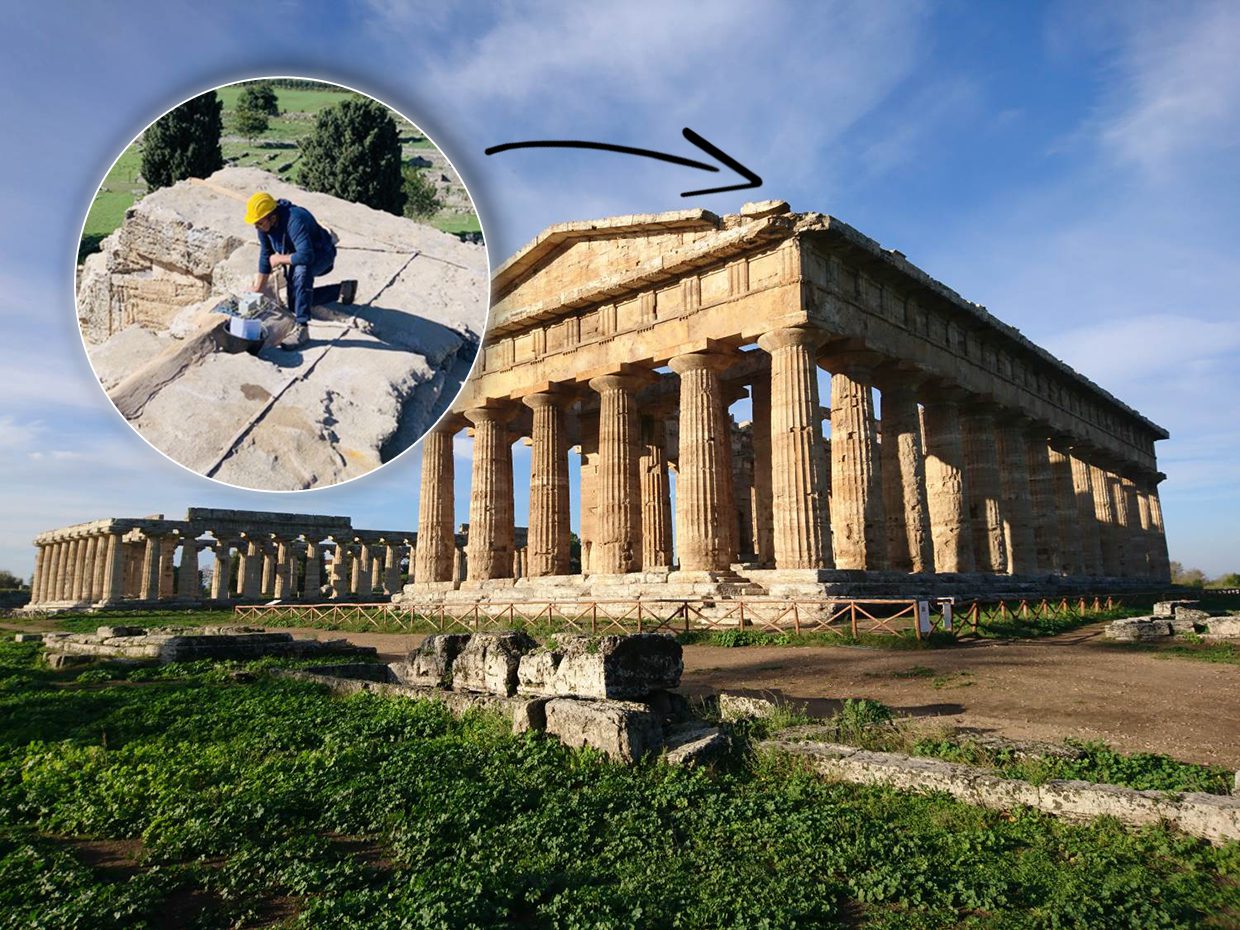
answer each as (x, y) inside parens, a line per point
(751, 179)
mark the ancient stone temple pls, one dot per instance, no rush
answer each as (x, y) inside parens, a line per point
(616, 347)
(220, 556)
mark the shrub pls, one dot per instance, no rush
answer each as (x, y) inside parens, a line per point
(183, 143)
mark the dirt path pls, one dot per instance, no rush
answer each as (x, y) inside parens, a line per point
(1073, 685)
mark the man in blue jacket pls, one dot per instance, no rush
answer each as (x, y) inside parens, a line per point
(289, 236)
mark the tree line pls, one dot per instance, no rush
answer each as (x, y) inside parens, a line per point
(353, 151)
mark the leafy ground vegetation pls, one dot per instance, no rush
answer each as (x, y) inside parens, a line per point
(213, 796)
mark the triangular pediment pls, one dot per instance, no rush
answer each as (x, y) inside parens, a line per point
(572, 264)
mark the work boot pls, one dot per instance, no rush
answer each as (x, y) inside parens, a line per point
(348, 290)
(298, 336)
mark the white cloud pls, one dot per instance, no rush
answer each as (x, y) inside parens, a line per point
(1178, 84)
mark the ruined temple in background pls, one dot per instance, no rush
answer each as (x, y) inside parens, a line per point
(618, 345)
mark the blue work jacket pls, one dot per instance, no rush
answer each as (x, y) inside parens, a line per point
(296, 234)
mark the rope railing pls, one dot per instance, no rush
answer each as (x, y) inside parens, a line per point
(847, 618)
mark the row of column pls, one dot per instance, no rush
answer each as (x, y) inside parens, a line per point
(104, 568)
(951, 485)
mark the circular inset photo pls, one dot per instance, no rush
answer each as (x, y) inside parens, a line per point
(282, 284)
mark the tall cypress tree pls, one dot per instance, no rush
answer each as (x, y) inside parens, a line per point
(353, 153)
(184, 143)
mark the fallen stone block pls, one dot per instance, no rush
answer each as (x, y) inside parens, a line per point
(28, 638)
(489, 662)
(740, 706)
(431, 663)
(1192, 614)
(694, 743)
(1223, 627)
(622, 730)
(108, 632)
(1138, 629)
(1167, 608)
(529, 715)
(615, 667)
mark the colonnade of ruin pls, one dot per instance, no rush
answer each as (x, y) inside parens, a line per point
(245, 555)
(628, 340)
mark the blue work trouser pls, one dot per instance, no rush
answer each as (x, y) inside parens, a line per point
(301, 292)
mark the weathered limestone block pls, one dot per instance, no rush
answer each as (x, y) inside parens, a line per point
(431, 663)
(622, 667)
(694, 743)
(1138, 629)
(1223, 627)
(489, 662)
(1167, 608)
(1192, 614)
(740, 706)
(622, 730)
(107, 632)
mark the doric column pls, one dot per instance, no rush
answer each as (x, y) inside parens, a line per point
(36, 579)
(1162, 559)
(763, 515)
(1071, 560)
(280, 586)
(340, 570)
(587, 427)
(910, 544)
(945, 484)
(362, 570)
(1135, 552)
(151, 563)
(548, 540)
(377, 563)
(42, 566)
(1086, 516)
(314, 572)
(55, 581)
(1017, 511)
(656, 495)
(188, 576)
(1149, 558)
(135, 555)
(391, 574)
(71, 569)
(704, 510)
(490, 499)
(252, 575)
(797, 462)
(460, 568)
(114, 569)
(269, 568)
(98, 568)
(617, 547)
(1106, 521)
(85, 571)
(1119, 521)
(167, 555)
(51, 572)
(221, 580)
(983, 490)
(1042, 496)
(858, 523)
(437, 506)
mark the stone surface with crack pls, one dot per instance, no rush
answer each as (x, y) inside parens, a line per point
(372, 379)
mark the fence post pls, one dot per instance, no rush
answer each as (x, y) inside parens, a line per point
(852, 618)
(741, 607)
(639, 615)
(594, 617)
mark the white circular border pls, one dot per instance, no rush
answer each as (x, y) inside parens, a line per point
(486, 247)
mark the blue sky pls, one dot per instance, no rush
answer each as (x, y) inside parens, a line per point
(1070, 166)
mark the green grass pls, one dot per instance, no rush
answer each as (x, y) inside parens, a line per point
(249, 797)
(297, 107)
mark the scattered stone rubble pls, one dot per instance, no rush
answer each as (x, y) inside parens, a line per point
(615, 693)
(135, 644)
(374, 376)
(1171, 618)
(1210, 816)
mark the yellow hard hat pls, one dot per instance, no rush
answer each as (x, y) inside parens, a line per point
(258, 206)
